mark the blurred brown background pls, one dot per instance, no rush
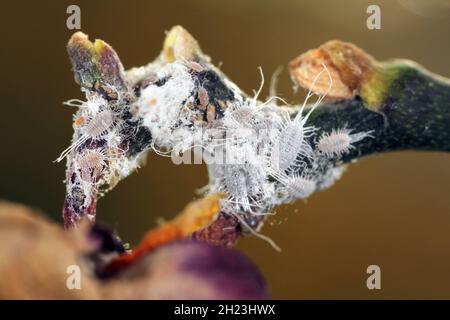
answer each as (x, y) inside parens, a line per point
(392, 210)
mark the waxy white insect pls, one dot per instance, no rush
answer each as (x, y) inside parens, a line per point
(98, 120)
(296, 185)
(339, 141)
(91, 164)
(243, 178)
(248, 113)
(290, 140)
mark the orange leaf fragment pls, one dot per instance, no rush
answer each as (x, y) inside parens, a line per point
(195, 216)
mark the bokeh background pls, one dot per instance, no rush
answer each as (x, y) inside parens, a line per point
(392, 210)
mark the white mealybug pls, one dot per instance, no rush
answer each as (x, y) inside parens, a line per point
(289, 144)
(295, 186)
(235, 184)
(247, 189)
(91, 164)
(299, 187)
(247, 113)
(339, 141)
(97, 119)
(243, 178)
(290, 139)
(98, 125)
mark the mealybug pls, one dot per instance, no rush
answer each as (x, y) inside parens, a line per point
(290, 140)
(296, 186)
(95, 126)
(339, 141)
(91, 164)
